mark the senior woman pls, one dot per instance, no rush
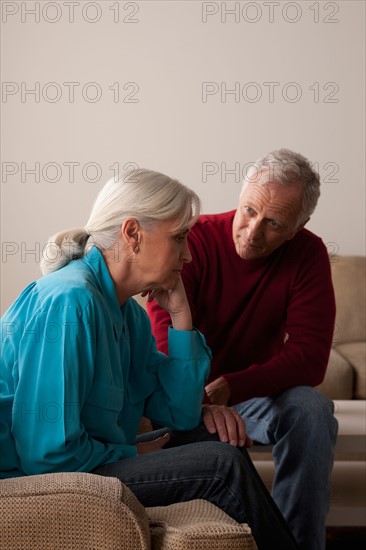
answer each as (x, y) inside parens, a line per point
(79, 365)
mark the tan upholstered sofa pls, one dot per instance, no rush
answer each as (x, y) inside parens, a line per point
(87, 512)
(346, 374)
(78, 511)
(345, 383)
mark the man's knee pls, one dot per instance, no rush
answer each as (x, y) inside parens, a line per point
(306, 407)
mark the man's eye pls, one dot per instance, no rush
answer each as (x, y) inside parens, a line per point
(273, 223)
(248, 210)
(180, 238)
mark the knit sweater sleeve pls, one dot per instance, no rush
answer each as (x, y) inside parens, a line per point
(309, 330)
(277, 348)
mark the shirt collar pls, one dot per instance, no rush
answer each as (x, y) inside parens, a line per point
(94, 259)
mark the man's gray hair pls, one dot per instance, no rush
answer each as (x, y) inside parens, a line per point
(287, 167)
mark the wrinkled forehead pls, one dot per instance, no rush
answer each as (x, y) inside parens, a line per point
(283, 199)
(274, 176)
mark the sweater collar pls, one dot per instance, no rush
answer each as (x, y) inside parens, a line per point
(95, 261)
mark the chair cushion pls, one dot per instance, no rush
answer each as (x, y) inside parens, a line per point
(71, 511)
(197, 525)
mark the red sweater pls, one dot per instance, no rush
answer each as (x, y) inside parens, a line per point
(269, 322)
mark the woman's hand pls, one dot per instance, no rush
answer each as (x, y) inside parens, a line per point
(227, 423)
(175, 302)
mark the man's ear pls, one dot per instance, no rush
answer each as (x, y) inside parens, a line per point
(131, 232)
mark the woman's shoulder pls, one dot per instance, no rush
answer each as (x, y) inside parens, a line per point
(50, 296)
(72, 286)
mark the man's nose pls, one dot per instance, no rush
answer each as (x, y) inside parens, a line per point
(254, 229)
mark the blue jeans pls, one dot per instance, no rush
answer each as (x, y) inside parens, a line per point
(300, 425)
(189, 468)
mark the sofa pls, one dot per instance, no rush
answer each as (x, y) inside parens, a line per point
(345, 378)
(80, 511)
(345, 384)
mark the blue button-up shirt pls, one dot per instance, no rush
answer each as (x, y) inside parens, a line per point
(78, 371)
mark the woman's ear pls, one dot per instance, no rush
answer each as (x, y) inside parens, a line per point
(131, 232)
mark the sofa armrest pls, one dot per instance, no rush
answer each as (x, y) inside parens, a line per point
(339, 378)
(355, 354)
(71, 510)
(197, 525)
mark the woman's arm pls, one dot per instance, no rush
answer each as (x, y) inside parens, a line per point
(177, 401)
(55, 364)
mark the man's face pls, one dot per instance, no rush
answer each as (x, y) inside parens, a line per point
(266, 217)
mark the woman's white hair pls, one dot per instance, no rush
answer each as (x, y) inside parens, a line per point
(288, 168)
(148, 196)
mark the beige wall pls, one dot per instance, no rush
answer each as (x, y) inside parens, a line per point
(297, 74)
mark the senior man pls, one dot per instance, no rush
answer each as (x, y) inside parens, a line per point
(260, 289)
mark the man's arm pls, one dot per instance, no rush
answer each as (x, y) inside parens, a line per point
(309, 331)
(309, 325)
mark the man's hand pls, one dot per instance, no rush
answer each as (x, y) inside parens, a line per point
(218, 391)
(227, 423)
(152, 446)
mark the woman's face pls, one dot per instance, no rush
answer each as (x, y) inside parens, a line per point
(162, 253)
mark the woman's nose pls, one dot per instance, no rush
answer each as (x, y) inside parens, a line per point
(186, 254)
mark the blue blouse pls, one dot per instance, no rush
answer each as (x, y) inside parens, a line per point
(77, 372)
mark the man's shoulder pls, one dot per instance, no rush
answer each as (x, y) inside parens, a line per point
(305, 248)
(307, 238)
(215, 219)
(211, 234)
(213, 224)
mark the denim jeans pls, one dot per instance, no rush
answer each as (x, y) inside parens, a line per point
(300, 425)
(196, 465)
